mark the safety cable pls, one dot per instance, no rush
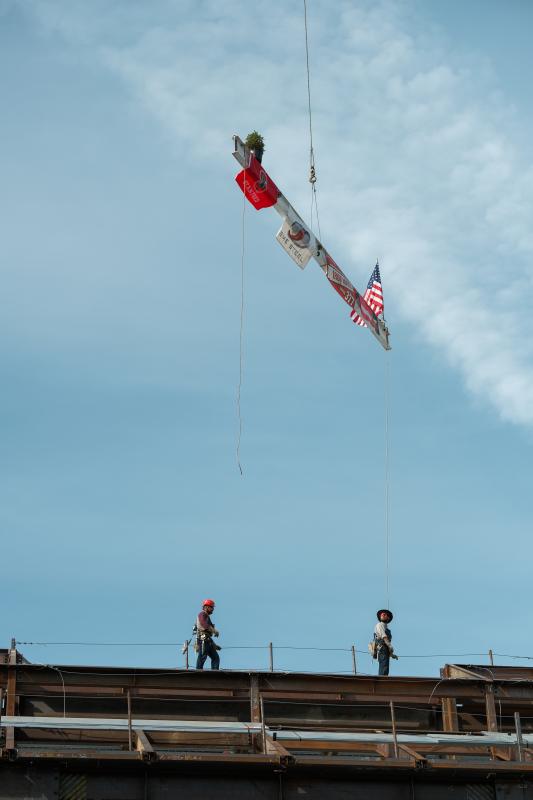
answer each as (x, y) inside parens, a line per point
(360, 650)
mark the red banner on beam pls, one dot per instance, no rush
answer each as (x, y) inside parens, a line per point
(344, 287)
(257, 185)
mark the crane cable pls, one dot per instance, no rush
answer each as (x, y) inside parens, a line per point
(314, 202)
(312, 167)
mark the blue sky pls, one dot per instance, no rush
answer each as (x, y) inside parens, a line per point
(121, 502)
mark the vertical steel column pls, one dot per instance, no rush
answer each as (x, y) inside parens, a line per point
(490, 706)
(271, 656)
(255, 704)
(354, 664)
(130, 737)
(263, 728)
(394, 736)
(450, 721)
(519, 740)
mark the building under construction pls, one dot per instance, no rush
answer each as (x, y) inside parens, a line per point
(109, 733)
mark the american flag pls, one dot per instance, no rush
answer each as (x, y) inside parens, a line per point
(373, 296)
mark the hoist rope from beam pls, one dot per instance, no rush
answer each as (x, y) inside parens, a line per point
(387, 480)
(241, 335)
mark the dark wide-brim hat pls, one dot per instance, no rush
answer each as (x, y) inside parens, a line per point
(385, 611)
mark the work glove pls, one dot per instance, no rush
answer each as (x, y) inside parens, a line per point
(394, 656)
(215, 632)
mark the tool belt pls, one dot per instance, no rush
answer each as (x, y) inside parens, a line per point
(201, 640)
(376, 645)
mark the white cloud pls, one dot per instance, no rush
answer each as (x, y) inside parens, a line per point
(415, 160)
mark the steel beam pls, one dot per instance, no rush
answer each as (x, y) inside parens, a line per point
(450, 721)
(143, 745)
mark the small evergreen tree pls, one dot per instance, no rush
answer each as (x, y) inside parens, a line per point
(254, 141)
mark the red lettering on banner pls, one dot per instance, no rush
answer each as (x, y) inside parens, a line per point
(349, 293)
(340, 282)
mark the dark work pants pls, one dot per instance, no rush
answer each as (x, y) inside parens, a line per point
(383, 660)
(207, 648)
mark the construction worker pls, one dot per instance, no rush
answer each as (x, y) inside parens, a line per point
(205, 630)
(383, 640)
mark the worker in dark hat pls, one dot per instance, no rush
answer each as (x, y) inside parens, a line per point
(383, 640)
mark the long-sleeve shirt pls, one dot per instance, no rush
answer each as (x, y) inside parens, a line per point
(204, 623)
(382, 632)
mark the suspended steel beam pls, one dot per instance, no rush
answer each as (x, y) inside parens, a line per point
(262, 192)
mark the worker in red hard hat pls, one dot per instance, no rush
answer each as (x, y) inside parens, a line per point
(205, 631)
(383, 640)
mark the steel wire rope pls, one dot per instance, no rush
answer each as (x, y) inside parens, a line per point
(387, 480)
(312, 169)
(314, 199)
(360, 650)
(139, 644)
(506, 655)
(241, 329)
(319, 649)
(60, 672)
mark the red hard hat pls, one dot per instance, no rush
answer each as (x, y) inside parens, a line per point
(209, 602)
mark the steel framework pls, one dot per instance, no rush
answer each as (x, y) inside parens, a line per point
(76, 732)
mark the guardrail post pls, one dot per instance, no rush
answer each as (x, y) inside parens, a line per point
(354, 665)
(11, 699)
(271, 656)
(519, 740)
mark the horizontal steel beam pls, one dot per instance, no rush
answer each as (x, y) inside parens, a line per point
(112, 724)
(193, 727)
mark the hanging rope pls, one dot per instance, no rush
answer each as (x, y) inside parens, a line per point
(241, 334)
(387, 480)
(312, 168)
